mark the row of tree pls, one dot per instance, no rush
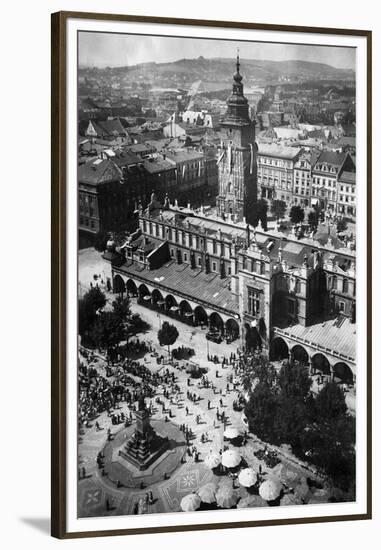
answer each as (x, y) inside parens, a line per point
(297, 215)
(282, 409)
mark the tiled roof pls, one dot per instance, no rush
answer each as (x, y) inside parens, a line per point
(348, 177)
(99, 171)
(277, 151)
(193, 284)
(335, 336)
(184, 156)
(158, 165)
(330, 157)
(126, 158)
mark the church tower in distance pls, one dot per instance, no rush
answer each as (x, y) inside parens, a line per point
(237, 164)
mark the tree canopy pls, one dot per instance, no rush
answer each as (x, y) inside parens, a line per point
(313, 219)
(88, 307)
(100, 241)
(121, 307)
(278, 208)
(282, 409)
(296, 214)
(341, 225)
(167, 335)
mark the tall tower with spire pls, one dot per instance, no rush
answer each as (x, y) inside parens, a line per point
(237, 164)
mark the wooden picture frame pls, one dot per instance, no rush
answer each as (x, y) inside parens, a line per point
(63, 261)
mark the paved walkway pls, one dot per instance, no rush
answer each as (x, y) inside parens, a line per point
(97, 496)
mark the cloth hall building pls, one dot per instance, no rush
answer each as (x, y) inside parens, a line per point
(291, 295)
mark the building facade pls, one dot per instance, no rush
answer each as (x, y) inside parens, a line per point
(326, 173)
(276, 171)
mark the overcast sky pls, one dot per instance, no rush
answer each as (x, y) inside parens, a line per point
(106, 49)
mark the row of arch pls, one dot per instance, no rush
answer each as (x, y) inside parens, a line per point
(178, 309)
(317, 362)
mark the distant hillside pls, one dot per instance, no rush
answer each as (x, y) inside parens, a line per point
(222, 69)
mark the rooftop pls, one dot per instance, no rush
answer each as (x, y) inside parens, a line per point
(99, 171)
(190, 283)
(335, 336)
(332, 158)
(278, 151)
(182, 155)
(157, 165)
(348, 177)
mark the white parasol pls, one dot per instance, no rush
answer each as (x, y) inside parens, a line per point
(270, 489)
(190, 502)
(247, 477)
(207, 492)
(226, 497)
(230, 458)
(231, 433)
(212, 460)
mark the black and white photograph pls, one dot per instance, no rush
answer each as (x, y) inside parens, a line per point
(217, 274)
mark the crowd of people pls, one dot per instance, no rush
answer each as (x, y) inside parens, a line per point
(115, 387)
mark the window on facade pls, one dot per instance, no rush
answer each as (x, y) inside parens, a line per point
(199, 261)
(172, 252)
(229, 270)
(253, 301)
(185, 257)
(291, 306)
(214, 266)
(141, 256)
(334, 282)
(214, 247)
(298, 286)
(345, 285)
(342, 307)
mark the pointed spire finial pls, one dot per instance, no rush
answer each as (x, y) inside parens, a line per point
(238, 63)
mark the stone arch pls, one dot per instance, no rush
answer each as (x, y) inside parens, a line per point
(319, 362)
(343, 372)
(143, 291)
(200, 316)
(185, 307)
(279, 349)
(170, 301)
(131, 288)
(215, 321)
(253, 339)
(299, 353)
(157, 297)
(186, 312)
(232, 329)
(119, 287)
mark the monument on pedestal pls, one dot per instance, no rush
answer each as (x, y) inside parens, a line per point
(145, 445)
